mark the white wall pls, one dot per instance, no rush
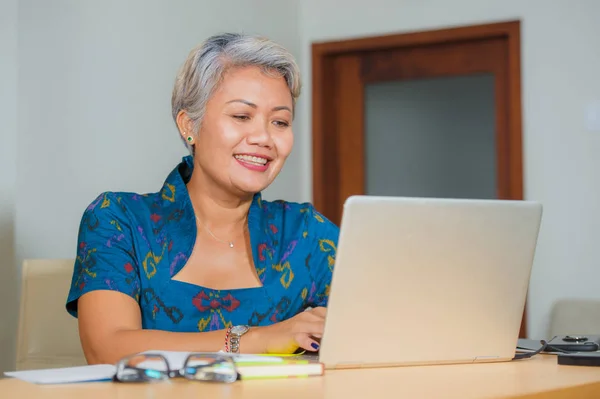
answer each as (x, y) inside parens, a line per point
(8, 170)
(95, 81)
(560, 66)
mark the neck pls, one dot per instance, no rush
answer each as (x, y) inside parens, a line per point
(216, 208)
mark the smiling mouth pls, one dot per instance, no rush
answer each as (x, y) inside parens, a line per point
(259, 161)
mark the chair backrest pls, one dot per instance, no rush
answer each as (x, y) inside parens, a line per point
(47, 337)
(575, 316)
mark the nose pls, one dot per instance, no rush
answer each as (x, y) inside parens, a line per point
(260, 134)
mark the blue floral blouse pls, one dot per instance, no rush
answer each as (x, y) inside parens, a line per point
(135, 244)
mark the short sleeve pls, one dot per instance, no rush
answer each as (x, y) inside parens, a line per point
(324, 236)
(105, 257)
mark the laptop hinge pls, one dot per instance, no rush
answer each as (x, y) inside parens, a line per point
(484, 359)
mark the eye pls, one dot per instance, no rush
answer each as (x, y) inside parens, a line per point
(282, 124)
(241, 117)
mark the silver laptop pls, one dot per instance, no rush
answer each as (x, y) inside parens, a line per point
(429, 281)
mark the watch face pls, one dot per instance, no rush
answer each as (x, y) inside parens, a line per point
(239, 330)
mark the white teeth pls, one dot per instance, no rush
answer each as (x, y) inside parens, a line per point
(249, 158)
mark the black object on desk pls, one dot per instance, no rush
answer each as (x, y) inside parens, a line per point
(574, 343)
(579, 359)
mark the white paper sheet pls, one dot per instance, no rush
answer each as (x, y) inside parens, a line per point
(100, 372)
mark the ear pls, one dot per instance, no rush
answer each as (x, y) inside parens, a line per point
(185, 124)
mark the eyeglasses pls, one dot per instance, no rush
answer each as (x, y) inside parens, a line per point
(208, 367)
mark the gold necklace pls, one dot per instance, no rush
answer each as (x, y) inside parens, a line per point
(230, 243)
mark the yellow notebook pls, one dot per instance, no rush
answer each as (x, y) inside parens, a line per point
(258, 366)
(283, 369)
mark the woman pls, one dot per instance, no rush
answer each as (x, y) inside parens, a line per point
(206, 264)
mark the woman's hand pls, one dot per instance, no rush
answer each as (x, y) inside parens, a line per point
(299, 331)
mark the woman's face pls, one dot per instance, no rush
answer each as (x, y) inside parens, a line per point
(246, 134)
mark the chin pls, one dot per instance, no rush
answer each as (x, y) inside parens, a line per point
(250, 187)
(250, 182)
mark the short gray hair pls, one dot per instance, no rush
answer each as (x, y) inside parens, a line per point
(206, 64)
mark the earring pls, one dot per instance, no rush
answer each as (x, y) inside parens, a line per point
(189, 139)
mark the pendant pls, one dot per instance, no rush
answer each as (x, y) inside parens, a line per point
(230, 245)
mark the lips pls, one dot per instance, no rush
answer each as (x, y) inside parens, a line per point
(254, 159)
(254, 162)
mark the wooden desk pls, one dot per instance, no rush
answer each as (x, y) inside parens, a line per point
(539, 377)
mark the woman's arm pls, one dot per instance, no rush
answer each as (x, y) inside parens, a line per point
(110, 328)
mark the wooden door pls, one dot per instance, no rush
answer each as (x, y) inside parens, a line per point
(342, 70)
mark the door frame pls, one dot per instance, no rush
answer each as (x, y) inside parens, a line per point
(326, 178)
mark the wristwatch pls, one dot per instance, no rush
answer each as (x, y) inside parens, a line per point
(235, 336)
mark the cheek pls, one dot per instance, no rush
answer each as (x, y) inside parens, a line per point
(221, 132)
(230, 132)
(217, 141)
(284, 144)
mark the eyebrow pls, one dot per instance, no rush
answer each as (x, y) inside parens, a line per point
(250, 104)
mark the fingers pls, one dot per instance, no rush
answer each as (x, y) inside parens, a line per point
(310, 327)
(311, 318)
(313, 314)
(320, 311)
(306, 342)
(305, 329)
